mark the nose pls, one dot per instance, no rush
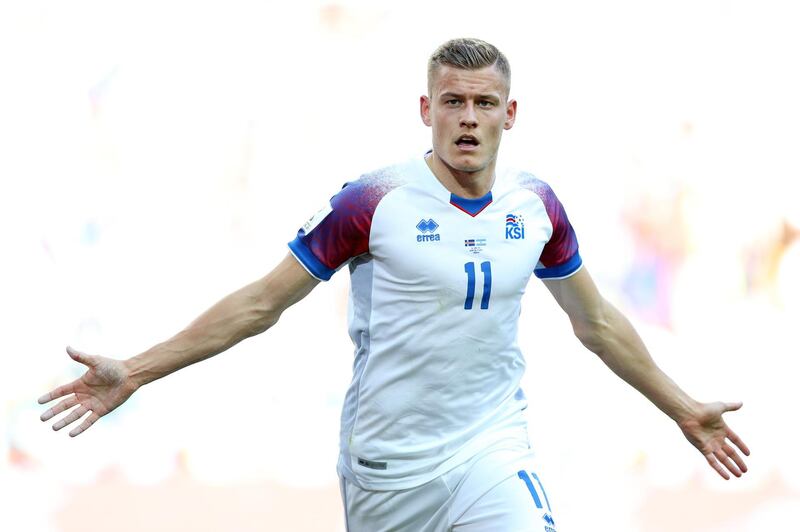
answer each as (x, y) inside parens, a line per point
(469, 119)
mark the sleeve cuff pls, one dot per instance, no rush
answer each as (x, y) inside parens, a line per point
(562, 271)
(309, 261)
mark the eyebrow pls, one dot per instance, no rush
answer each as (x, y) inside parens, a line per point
(446, 95)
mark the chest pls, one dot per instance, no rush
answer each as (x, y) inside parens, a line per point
(426, 245)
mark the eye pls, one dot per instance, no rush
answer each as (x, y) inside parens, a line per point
(452, 102)
(485, 103)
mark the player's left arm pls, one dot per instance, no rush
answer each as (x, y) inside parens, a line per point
(607, 332)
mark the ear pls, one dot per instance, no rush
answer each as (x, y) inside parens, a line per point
(511, 114)
(425, 110)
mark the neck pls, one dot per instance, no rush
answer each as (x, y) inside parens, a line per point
(462, 183)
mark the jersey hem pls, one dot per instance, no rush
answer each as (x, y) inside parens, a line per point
(509, 437)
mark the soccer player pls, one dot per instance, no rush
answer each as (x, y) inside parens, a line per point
(440, 249)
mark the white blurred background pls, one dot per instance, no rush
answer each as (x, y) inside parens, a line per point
(156, 155)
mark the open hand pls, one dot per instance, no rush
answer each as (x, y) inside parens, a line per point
(100, 390)
(707, 431)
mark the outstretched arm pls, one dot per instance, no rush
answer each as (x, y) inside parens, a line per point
(606, 332)
(249, 311)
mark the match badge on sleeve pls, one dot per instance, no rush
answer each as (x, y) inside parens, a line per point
(317, 218)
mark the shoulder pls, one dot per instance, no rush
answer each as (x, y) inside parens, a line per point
(530, 182)
(369, 189)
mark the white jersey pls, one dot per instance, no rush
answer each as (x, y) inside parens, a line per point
(436, 283)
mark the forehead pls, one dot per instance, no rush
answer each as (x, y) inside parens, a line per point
(487, 80)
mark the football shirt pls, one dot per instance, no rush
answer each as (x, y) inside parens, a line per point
(436, 284)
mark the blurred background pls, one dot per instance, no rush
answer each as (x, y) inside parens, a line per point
(156, 155)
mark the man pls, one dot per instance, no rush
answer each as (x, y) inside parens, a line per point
(439, 249)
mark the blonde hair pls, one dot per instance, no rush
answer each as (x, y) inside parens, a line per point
(468, 54)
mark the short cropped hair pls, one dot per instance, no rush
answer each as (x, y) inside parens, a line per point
(468, 54)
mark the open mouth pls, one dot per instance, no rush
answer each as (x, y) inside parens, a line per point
(467, 142)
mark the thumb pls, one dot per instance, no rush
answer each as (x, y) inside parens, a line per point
(729, 407)
(83, 358)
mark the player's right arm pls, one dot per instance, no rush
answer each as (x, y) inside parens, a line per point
(246, 312)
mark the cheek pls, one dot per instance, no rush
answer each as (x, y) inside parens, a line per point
(493, 132)
(441, 128)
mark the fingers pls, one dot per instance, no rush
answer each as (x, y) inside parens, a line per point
(709, 435)
(67, 389)
(731, 452)
(725, 460)
(738, 442)
(712, 461)
(73, 416)
(60, 407)
(61, 391)
(88, 422)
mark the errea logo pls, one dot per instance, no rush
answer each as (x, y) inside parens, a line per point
(427, 228)
(515, 227)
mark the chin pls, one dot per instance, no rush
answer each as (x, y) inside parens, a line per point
(469, 169)
(467, 163)
(460, 162)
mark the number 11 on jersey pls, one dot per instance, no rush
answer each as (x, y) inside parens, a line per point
(486, 269)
